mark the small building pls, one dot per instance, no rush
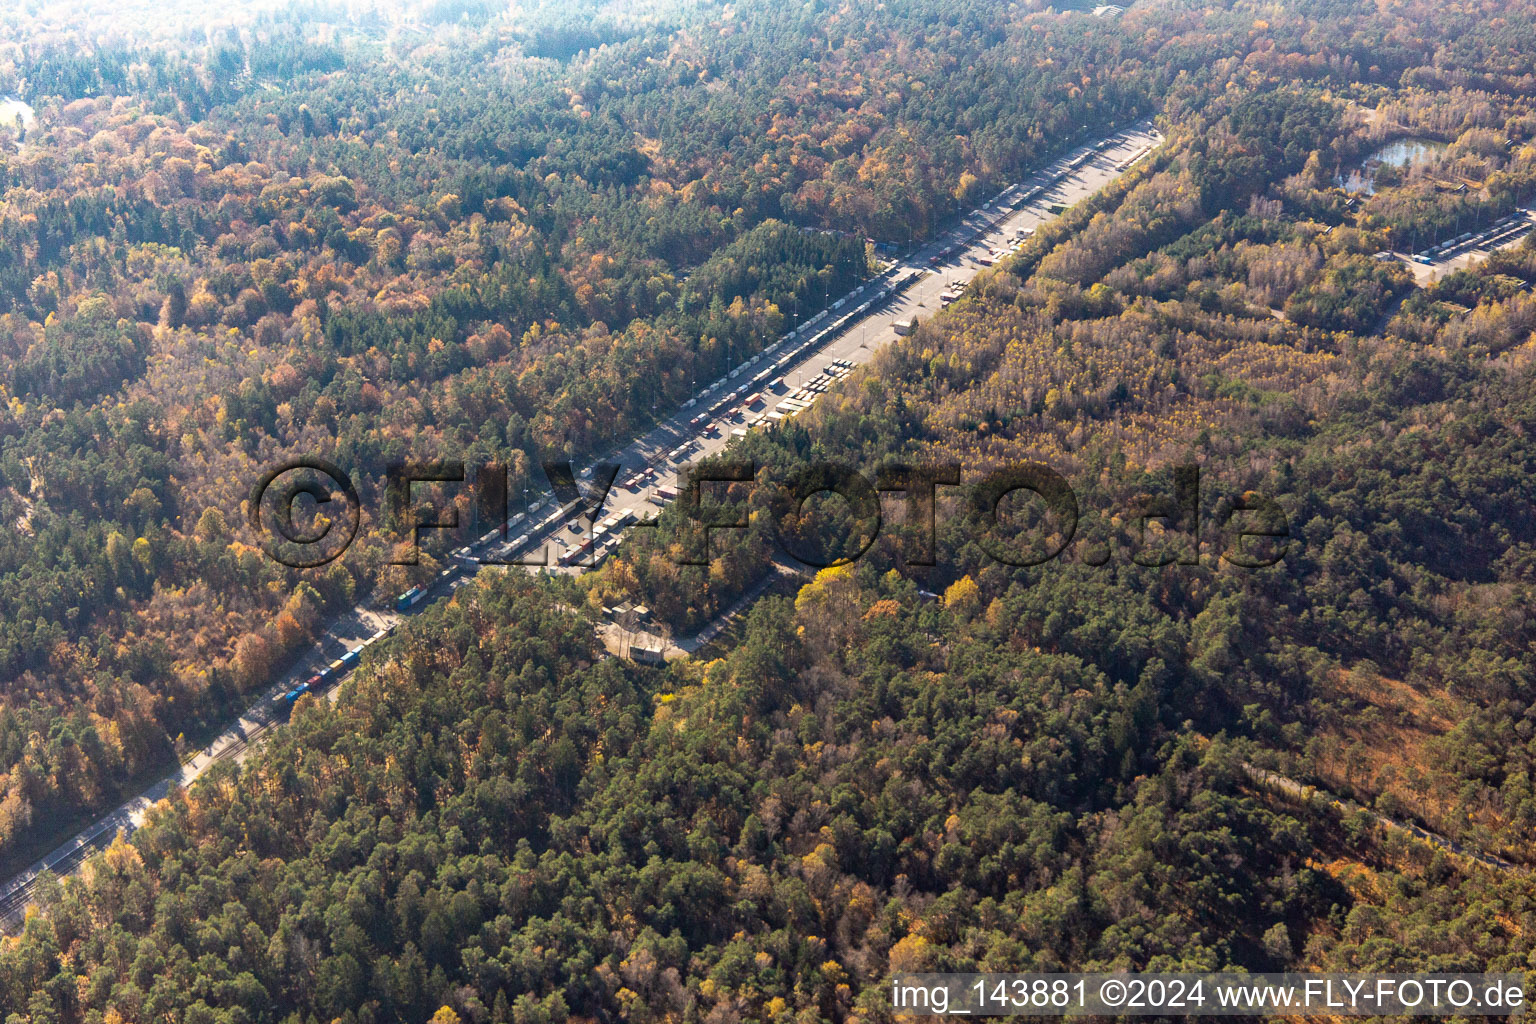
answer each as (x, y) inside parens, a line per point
(642, 655)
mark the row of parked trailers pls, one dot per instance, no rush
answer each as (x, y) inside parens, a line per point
(1015, 196)
(1012, 197)
(814, 332)
(802, 399)
(1501, 231)
(806, 336)
(411, 598)
(332, 672)
(604, 534)
(1133, 159)
(1080, 161)
(810, 334)
(1075, 164)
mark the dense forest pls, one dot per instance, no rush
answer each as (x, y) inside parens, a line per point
(361, 245)
(294, 237)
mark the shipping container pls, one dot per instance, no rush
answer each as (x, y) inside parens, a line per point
(577, 553)
(289, 698)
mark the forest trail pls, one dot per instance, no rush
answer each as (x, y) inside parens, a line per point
(1290, 788)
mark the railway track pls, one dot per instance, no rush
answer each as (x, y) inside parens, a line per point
(18, 894)
(1289, 787)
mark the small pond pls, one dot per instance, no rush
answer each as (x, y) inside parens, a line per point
(1399, 153)
(13, 110)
